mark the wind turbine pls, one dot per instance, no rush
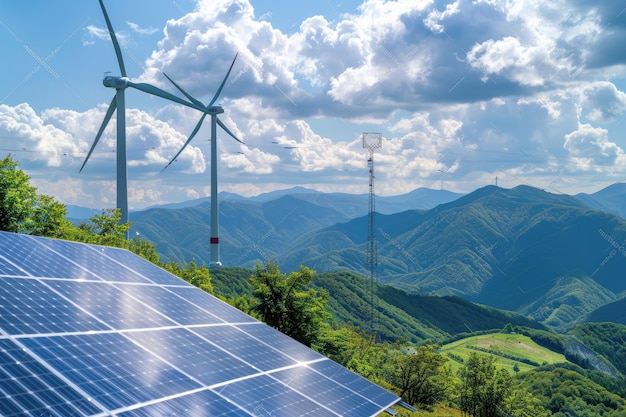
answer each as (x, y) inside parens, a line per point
(213, 111)
(121, 83)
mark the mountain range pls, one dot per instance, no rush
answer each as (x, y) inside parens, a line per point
(548, 256)
(555, 258)
(259, 228)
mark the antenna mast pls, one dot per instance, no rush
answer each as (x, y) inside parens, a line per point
(371, 142)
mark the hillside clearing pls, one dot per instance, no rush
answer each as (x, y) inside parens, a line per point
(509, 350)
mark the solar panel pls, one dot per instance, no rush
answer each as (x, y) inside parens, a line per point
(87, 330)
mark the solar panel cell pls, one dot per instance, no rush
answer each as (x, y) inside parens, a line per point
(280, 342)
(8, 269)
(219, 309)
(196, 357)
(141, 270)
(205, 403)
(27, 306)
(8, 408)
(110, 305)
(265, 396)
(137, 372)
(245, 347)
(176, 308)
(39, 260)
(91, 258)
(19, 381)
(321, 389)
(355, 383)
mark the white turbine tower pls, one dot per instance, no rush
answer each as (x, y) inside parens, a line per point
(121, 83)
(213, 111)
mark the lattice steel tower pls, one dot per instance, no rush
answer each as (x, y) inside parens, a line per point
(371, 142)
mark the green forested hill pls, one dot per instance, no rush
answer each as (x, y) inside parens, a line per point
(607, 340)
(544, 255)
(568, 391)
(250, 231)
(261, 228)
(401, 316)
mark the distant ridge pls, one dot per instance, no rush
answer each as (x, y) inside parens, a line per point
(259, 228)
(614, 312)
(522, 249)
(611, 199)
(356, 204)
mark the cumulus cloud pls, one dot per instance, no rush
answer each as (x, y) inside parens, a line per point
(591, 149)
(46, 142)
(602, 102)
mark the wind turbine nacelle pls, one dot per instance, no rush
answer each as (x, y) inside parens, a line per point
(112, 81)
(214, 110)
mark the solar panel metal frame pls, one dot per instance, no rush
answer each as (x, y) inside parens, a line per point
(99, 331)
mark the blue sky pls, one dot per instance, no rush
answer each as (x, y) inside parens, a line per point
(462, 92)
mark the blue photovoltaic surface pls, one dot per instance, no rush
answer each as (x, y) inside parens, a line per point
(214, 306)
(28, 306)
(267, 396)
(335, 396)
(107, 303)
(26, 386)
(110, 368)
(199, 404)
(196, 357)
(355, 383)
(175, 307)
(282, 343)
(243, 346)
(7, 268)
(90, 330)
(140, 266)
(39, 260)
(105, 268)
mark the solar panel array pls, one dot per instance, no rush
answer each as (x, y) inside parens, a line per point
(87, 330)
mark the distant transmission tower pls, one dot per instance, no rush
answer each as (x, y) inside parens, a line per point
(371, 142)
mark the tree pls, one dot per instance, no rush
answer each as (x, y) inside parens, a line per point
(483, 388)
(522, 403)
(22, 210)
(419, 376)
(17, 196)
(106, 224)
(287, 304)
(198, 276)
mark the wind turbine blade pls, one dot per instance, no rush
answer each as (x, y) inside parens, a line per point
(223, 126)
(219, 90)
(107, 117)
(116, 45)
(189, 96)
(195, 130)
(150, 89)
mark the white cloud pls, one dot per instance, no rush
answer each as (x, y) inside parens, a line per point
(46, 143)
(99, 33)
(520, 63)
(602, 102)
(435, 18)
(591, 149)
(253, 161)
(141, 30)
